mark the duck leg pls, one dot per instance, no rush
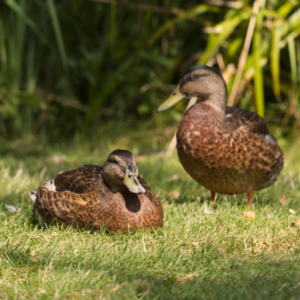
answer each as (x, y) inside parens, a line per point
(250, 195)
(212, 196)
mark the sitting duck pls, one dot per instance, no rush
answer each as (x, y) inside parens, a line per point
(226, 149)
(112, 196)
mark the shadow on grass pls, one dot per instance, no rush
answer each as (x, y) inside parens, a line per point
(232, 200)
(215, 278)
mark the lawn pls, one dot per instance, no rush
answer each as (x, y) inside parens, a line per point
(201, 253)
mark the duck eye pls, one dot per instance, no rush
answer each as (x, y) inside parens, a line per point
(191, 77)
(113, 161)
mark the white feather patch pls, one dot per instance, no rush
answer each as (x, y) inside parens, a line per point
(50, 185)
(32, 196)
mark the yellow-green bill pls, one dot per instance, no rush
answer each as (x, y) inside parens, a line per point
(132, 183)
(175, 97)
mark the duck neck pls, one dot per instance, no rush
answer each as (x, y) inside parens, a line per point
(217, 100)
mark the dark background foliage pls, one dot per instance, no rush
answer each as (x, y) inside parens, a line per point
(69, 66)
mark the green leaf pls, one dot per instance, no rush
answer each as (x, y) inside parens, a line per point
(30, 99)
(225, 28)
(286, 8)
(293, 23)
(197, 10)
(21, 13)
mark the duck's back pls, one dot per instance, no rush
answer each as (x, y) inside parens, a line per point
(81, 198)
(84, 179)
(228, 155)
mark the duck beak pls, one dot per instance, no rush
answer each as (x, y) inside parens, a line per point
(175, 97)
(132, 183)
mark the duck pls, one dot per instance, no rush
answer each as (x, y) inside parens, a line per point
(112, 196)
(227, 150)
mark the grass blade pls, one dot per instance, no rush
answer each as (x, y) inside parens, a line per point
(14, 6)
(258, 76)
(113, 21)
(197, 10)
(58, 34)
(294, 74)
(275, 58)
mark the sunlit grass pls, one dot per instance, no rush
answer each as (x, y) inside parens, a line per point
(195, 256)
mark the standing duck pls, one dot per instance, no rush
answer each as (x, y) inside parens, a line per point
(112, 196)
(226, 149)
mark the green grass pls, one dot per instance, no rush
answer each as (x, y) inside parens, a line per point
(195, 256)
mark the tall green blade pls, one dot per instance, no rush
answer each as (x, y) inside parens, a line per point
(275, 57)
(58, 34)
(197, 10)
(19, 10)
(258, 77)
(294, 74)
(113, 22)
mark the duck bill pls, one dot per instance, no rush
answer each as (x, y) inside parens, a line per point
(132, 183)
(175, 97)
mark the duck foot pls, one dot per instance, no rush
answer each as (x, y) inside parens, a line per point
(250, 195)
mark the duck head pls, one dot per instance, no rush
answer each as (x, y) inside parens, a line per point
(199, 81)
(120, 172)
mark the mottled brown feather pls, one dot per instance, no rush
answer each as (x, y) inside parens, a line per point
(226, 149)
(85, 179)
(83, 200)
(228, 156)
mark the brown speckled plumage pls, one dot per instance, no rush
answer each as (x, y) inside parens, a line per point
(81, 198)
(226, 149)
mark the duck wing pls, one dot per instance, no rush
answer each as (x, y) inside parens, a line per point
(67, 208)
(237, 119)
(85, 179)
